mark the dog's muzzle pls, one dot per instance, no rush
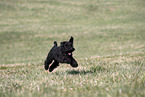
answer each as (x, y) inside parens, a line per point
(70, 52)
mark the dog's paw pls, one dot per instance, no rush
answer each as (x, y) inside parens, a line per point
(46, 67)
(50, 69)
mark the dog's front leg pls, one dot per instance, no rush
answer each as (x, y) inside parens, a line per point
(53, 66)
(74, 63)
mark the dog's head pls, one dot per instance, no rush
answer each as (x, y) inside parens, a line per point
(67, 46)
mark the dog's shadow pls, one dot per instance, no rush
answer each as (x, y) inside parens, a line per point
(76, 72)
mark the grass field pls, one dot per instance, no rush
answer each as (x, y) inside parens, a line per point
(109, 37)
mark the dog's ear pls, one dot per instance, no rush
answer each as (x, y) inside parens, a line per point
(71, 39)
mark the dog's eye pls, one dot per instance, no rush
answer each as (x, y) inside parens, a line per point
(66, 45)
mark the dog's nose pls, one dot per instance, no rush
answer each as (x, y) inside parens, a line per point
(73, 49)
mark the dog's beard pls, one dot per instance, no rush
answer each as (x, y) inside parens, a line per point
(68, 52)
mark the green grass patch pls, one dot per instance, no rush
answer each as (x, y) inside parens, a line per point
(94, 77)
(109, 38)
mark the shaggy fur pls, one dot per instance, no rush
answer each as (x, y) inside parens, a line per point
(60, 54)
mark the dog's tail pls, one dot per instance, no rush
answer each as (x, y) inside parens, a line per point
(55, 43)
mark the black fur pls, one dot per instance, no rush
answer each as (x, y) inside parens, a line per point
(60, 54)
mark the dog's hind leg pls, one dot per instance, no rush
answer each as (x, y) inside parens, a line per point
(48, 61)
(53, 66)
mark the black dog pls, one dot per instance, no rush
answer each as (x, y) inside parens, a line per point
(60, 54)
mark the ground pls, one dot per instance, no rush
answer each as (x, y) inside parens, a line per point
(109, 38)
